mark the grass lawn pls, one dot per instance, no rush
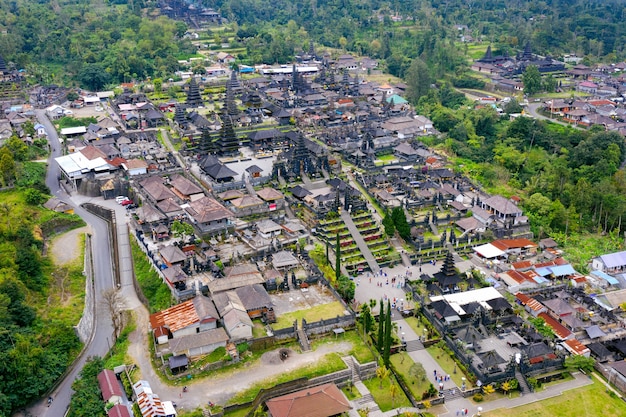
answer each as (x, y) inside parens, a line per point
(316, 313)
(447, 365)
(328, 364)
(382, 396)
(588, 401)
(359, 350)
(403, 362)
(351, 393)
(416, 324)
(258, 330)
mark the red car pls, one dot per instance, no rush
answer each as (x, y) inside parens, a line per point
(126, 202)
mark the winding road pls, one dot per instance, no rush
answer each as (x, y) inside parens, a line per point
(103, 278)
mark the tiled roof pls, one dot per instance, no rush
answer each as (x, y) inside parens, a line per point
(322, 401)
(207, 209)
(559, 330)
(196, 310)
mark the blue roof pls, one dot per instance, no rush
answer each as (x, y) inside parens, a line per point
(611, 280)
(540, 280)
(545, 271)
(614, 260)
(562, 270)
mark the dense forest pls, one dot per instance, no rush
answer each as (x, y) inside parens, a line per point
(89, 42)
(37, 340)
(96, 43)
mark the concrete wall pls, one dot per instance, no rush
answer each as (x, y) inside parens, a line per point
(85, 326)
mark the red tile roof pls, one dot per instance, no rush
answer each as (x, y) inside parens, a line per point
(118, 410)
(559, 330)
(576, 347)
(109, 385)
(323, 401)
(504, 244)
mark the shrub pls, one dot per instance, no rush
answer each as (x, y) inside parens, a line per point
(478, 397)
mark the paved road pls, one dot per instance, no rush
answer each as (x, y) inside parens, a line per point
(533, 110)
(103, 330)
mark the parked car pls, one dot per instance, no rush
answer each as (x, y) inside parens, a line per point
(126, 202)
(120, 198)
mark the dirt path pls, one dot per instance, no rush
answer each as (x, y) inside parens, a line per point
(221, 388)
(65, 248)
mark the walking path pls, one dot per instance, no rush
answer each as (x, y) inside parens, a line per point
(358, 239)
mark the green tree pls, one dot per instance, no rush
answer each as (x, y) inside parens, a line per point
(418, 81)
(399, 220)
(346, 288)
(575, 362)
(87, 399)
(531, 78)
(7, 166)
(94, 76)
(387, 337)
(381, 328)
(181, 229)
(34, 197)
(388, 224)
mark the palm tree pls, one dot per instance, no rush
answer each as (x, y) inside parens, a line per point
(382, 373)
(489, 389)
(506, 387)
(393, 391)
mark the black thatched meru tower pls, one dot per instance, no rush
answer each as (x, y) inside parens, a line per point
(180, 117)
(194, 99)
(227, 143)
(448, 265)
(206, 144)
(301, 160)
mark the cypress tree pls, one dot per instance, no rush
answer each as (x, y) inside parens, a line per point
(337, 258)
(387, 338)
(381, 327)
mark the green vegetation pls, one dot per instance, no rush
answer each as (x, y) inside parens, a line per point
(152, 286)
(417, 382)
(87, 398)
(587, 401)
(315, 313)
(118, 354)
(328, 364)
(381, 390)
(37, 309)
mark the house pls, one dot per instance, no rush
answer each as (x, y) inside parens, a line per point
(503, 208)
(172, 255)
(118, 410)
(610, 263)
(520, 246)
(268, 229)
(284, 260)
(209, 216)
(185, 189)
(225, 58)
(587, 87)
(149, 403)
(190, 317)
(155, 190)
(235, 319)
(110, 387)
(322, 401)
(135, 167)
(199, 344)
(254, 299)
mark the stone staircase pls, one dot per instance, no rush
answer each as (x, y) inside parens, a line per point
(366, 402)
(452, 394)
(349, 361)
(414, 345)
(304, 340)
(523, 385)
